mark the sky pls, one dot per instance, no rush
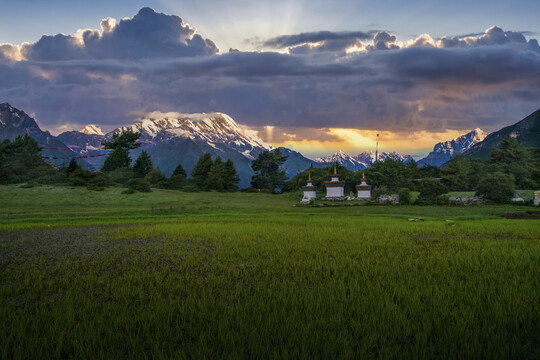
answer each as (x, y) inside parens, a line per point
(316, 76)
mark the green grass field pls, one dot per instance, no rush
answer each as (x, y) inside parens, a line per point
(211, 275)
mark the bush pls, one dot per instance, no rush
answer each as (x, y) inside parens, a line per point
(119, 176)
(96, 183)
(156, 178)
(139, 184)
(404, 196)
(128, 192)
(443, 200)
(430, 189)
(498, 187)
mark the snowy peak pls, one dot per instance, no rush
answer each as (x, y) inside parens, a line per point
(444, 151)
(362, 160)
(212, 128)
(91, 130)
(343, 159)
(368, 157)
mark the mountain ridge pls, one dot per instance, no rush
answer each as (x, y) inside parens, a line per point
(525, 131)
(444, 151)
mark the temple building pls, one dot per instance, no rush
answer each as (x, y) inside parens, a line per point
(310, 190)
(364, 190)
(334, 187)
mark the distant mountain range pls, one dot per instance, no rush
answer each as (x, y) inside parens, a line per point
(444, 151)
(361, 161)
(176, 138)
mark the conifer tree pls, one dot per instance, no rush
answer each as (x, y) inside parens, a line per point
(73, 166)
(267, 173)
(200, 172)
(214, 181)
(178, 178)
(120, 143)
(230, 176)
(143, 165)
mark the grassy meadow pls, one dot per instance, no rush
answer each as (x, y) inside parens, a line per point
(167, 274)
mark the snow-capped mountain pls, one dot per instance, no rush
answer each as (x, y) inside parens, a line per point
(92, 130)
(362, 160)
(367, 158)
(176, 138)
(343, 159)
(444, 151)
(213, 128)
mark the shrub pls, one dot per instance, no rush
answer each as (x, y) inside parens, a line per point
(404, 196)
(139, 184)
(443, 200)
(128, 191)
(430, 189)
(156, 177)
(498, 187)
(119, 176)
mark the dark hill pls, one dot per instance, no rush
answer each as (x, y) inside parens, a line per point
(526, 132)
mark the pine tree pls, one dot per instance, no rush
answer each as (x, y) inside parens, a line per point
(120, 143)
(267, 173)
(119, 158)
(179, 172)
(143, 164)
(230, 176)
(200, 172)
(73, 166)
(178, 178)
(511, 158)
(214, 181)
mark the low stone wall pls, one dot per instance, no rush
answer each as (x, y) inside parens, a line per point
(467, 200)
(385, 199)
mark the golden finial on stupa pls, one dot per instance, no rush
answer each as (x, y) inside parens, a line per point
(335, 170)
(363, 176)
(309, 179)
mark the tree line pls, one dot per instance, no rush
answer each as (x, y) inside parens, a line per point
(508, 167)
(21, 162)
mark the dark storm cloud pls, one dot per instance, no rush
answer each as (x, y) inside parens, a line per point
(147, 35)
(155, 62)
(284, 41)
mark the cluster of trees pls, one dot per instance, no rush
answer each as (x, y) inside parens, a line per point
(214, 174)
(268, 176)
(509, 167)
(21, 161)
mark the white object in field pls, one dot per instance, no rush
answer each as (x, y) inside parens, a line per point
(310, 190)
(334, 187)
(364, 190)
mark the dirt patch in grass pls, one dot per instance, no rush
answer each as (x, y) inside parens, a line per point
(531, 215)
(50, 245)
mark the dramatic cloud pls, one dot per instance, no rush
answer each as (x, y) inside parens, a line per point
(317, 83)
(146, 35)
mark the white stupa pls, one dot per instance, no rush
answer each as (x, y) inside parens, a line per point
(364, 190)
(310, 190)
(334, 187)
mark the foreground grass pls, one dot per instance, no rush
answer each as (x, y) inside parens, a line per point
(249, 275)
